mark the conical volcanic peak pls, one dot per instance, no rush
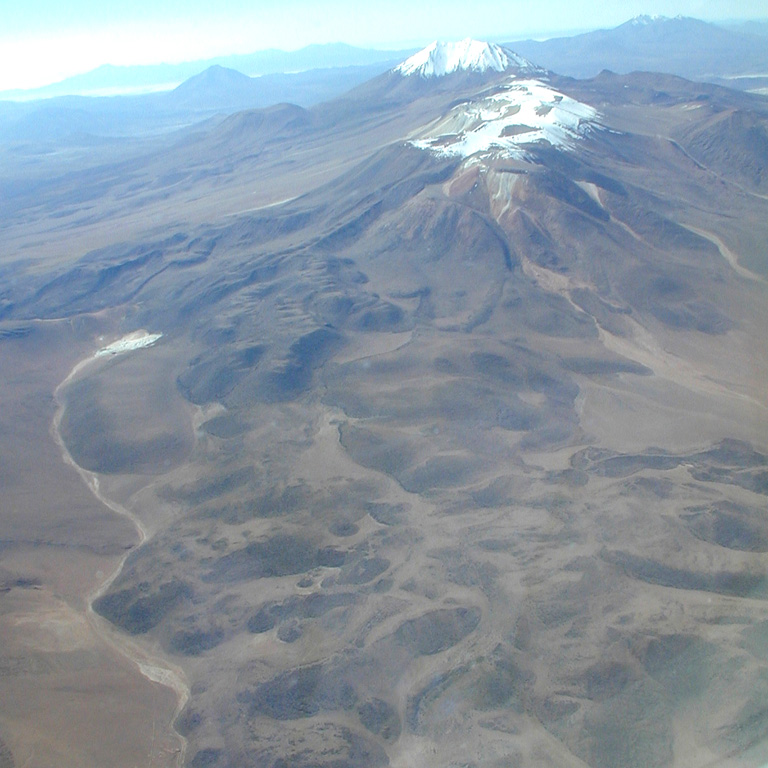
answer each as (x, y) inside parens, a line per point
(441, 58)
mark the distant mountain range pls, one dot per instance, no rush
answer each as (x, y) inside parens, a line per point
(110, 80)
(216, 91)
(681, 46)
(735, 57)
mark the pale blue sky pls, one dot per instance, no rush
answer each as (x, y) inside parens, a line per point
(42, 41)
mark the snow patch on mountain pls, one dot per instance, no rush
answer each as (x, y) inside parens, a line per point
(647, 20)
(508, 121)
(135, 340)
(440, 58)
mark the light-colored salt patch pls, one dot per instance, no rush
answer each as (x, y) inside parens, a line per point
(524, 112)
(726, 253)
(746, 77)
(135, 340)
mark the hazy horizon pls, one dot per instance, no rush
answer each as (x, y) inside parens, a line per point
(44, 42)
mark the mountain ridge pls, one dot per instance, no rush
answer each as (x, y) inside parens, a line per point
(678, 45)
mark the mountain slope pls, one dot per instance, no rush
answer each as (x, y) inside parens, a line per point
(479, 462)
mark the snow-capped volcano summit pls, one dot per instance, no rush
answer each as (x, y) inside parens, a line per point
(517, 115)
(442, 58)
(646, 20)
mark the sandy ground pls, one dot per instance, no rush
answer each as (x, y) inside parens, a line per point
(69, 696)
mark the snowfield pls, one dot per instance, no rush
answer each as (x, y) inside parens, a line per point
(135, 340)
(439, 59)
(523, 112)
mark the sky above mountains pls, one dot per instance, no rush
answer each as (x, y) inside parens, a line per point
(43, 41)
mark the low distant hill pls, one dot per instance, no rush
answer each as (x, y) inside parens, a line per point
(216, 91)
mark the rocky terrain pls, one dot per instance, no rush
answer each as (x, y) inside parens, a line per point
(442, 458)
